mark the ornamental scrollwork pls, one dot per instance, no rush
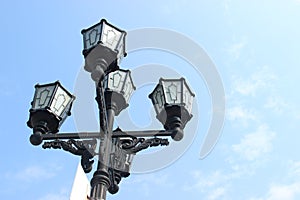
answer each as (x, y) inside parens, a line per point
(85, 149)
(134, 145)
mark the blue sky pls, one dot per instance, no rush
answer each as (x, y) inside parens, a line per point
(255, 47)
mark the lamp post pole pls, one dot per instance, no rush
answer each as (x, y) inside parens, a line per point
(104, 46)
(101, 179)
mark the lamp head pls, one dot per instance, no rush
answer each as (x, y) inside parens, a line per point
(51, 105)
(172, 100)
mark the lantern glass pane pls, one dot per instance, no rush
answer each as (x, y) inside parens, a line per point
(128, 162)
(158, 99)
(187, 98)
(43, 96)
(128, 88)
(60, 102)
(121, 49)
(116, 80)
(120, 159)
(92, 36)
(111, 37)
(173, 91)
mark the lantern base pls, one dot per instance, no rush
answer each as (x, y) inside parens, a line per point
(36, 138)
(174, 118)
(114, 100)
(43, 121)
(100, 60)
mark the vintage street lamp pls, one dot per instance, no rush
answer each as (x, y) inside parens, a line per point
(172, 100)
(104, 47)
(50, 107)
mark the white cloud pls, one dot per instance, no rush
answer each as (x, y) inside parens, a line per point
(252, 146)
(150, 179)
(262, 79)
(227, 4)
(170, 8)
(33, 173)
(294, 169)
(212, 185)
(62, 195)
(217, 193)
(276, 104)
(241, 114)
(218, 184)
(235, 49)
(146, 182)
(282, 192)
(286, 192)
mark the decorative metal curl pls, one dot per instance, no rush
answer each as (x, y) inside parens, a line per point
(134, 145)
(85, 149)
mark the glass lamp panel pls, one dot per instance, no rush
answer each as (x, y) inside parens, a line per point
(188, 98)
(116, 80)
(128, 161)
(92, 36)
(60, 101)
(111, 37)
(173, 91)
(128, 90)
(121, 160)
(67, 112)
(128, 87)
(43, 96)
(121, 49)
(158, 99)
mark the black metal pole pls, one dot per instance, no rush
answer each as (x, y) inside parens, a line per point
(101, 181)
(116, 134)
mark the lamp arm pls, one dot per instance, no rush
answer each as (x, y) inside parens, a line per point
(138, 144)
(85, 149)
(118, 133)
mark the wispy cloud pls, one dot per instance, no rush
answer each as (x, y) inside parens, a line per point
(226, 4)
(252, 150)
(287, 191)
(282, 191)
(217, 193)
(147, 181)
(276, 104)
(261, 79)
(241, 114)
(170, 8)
(33, 173)
(212, 185)
(297, 1)
(294, 169)
(62, 195)
(252, 146)
(235, 49)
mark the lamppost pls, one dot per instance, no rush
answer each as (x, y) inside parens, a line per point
(104, 47)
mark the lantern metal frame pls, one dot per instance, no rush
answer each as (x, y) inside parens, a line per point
(101, 59)
(116, 148)
(45, 120)
(173, 116)
(102, 23)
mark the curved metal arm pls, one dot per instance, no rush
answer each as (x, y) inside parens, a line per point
(85, 149)
(137, 144)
